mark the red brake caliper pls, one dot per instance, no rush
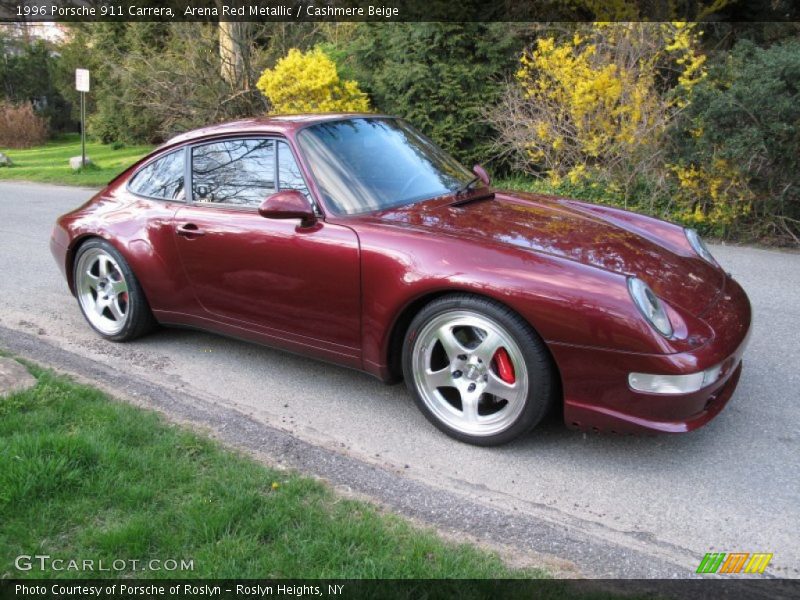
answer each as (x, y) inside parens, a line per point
(504, 366)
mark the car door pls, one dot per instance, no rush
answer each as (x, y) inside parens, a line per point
(291, 282)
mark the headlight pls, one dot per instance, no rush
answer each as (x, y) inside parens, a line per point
(696, 242)
(650, 306)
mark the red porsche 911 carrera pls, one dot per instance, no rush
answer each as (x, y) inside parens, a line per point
(355, 239)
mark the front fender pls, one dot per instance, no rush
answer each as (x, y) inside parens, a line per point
(564, 301)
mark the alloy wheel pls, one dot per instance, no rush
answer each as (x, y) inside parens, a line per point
(470, 373)
(102, 291)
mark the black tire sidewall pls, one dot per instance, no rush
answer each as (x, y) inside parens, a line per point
(535, 354)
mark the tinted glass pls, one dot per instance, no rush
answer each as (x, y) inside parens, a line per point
(289, 174)
(370, 164)
(237, 172)
(162, 178)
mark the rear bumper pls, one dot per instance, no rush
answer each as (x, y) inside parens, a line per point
(597, 396)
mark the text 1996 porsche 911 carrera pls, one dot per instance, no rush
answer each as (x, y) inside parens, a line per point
(355, 239)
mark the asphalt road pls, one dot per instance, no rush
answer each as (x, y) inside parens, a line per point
(731, 486)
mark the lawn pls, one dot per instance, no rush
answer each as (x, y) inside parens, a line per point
(50, 163)
(83, 476)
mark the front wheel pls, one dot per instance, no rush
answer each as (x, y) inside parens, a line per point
(477, 370)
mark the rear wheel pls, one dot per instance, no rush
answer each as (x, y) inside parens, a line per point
(477, 370)
(109, 294)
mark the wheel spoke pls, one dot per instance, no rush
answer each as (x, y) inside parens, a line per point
(451, 345)
(91, 279)
(118, 287)
(102, 266)
(100, 305)
(469, 406)
(113, 306)
(488, 346)
(440, 378)
(499, 388)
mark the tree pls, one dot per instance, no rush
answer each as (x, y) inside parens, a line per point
(736, 145)
(28, 76)
(439, 76)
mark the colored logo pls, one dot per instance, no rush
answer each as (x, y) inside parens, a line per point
(734, 562)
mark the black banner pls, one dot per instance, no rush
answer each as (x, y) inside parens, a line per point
(399, 10)
(230, 589)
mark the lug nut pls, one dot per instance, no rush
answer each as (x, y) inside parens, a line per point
(462, 357)
(457, 374)
(471, 387)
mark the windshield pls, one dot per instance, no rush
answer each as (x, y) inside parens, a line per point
(369, 164)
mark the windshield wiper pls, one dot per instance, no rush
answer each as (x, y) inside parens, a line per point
(467, 186)
(488, 195)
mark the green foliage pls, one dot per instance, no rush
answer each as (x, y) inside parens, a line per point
(28, 75)
(439, 76)
(743, 128)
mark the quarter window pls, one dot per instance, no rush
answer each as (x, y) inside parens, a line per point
(234, 172)
(289, 174)
(162, 178)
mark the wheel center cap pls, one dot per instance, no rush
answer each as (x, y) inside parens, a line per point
(474, 370)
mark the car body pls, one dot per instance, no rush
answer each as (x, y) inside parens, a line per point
(345, 285)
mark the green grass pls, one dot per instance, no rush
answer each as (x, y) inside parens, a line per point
(84, 476)
(50, 163)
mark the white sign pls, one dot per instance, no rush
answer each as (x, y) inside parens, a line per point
(82, 80)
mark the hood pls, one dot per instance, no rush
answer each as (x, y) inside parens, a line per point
(553, 226)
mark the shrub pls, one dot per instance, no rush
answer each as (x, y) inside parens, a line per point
(309, 82)
(20, 126)
(736, 148)
(595, 106)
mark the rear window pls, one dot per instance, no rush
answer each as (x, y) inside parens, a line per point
(163, 178)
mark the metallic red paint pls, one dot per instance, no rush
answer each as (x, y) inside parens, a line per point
(342, 289)
(288, 204)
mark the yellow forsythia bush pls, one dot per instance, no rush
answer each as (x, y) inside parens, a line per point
(712, 196)
(309, 82)
(595, 105)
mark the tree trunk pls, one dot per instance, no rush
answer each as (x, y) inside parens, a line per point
(234, 48)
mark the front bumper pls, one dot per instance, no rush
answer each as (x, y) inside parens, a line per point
(597, 395)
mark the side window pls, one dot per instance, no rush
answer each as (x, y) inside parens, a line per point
(162, 178)
(289, 176)
(235, 172)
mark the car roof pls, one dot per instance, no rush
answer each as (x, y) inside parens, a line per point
(282, 124)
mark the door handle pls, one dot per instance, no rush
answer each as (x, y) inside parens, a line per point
(189, 230)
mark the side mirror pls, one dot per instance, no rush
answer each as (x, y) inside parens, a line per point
(481, 173)
(288, 204)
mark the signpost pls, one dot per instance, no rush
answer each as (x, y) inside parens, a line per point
(82, 85)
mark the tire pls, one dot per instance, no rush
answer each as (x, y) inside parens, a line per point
(109, 295)
(477, 370)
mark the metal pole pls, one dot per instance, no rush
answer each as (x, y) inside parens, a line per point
(83, 130)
